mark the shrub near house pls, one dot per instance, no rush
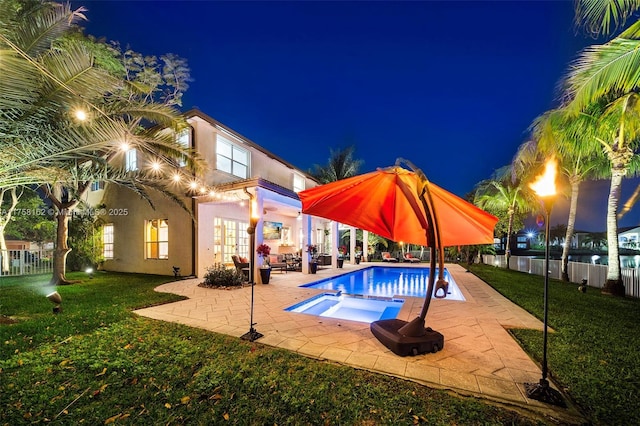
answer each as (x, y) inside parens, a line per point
(219, 276)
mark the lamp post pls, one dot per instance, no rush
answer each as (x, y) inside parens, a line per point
(545, 189)
(252, 334)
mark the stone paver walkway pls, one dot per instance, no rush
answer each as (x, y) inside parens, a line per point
(479, 358)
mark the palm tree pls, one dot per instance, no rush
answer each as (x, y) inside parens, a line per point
(609, 74)
(501, 196)
(341, 165)
(47, 74)
(561, 134)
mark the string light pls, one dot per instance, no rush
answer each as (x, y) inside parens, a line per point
(80, 114)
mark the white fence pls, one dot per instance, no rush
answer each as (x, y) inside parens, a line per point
(596, 275)
(25, 262)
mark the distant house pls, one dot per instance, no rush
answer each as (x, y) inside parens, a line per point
(629, 237)
(138, 237)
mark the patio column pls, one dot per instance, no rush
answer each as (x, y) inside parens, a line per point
(365, 245)
(259, 205)
(334, 244)
(352, 245)
(306, 240)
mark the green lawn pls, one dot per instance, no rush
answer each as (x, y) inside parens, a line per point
(97, 363)
(593, 352)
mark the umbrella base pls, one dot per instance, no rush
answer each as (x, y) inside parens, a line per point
(387, 332)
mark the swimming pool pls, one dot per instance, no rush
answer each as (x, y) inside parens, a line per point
(370, 294)
(387, 282)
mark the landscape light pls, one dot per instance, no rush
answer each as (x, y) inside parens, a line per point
(57, 300)
(90, 272)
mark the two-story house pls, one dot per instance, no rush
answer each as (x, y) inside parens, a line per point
(139, 237)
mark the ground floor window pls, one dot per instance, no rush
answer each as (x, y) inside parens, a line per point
(107, 241)
(157, 239)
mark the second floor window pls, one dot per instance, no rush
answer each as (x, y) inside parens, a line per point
(97, 185)
(231, 158)
(298, 183)
(183, 138)
(131, 160)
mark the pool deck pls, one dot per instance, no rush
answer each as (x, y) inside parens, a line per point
(479, 358)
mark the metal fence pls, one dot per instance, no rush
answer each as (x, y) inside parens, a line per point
(596, 275)
(25, 262)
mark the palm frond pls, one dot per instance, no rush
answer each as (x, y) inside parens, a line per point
(601, 17)
(608, 70)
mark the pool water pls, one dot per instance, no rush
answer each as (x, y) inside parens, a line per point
(350, 308)
(370, 294)
(387, 282)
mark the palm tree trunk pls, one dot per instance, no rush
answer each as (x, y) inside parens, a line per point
(571, 222)
(5, 218)
(4, 253)
(62, 248)
(64, 210)
(614, 285)
(507, 246)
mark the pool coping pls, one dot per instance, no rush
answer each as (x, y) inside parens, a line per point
(480, 358)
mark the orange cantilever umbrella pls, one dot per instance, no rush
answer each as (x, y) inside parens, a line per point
(387, 202)
(402, 205)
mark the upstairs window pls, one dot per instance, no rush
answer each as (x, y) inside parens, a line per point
(97, 185)
(131, 160)
(298, 183)
(183, 138)
(157, 239)
(231, 158)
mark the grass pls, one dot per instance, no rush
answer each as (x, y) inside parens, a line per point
(593, 352)
(96, 362)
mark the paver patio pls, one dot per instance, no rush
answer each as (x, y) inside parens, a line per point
(479, 358)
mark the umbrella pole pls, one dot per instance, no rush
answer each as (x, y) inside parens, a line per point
(416, 327)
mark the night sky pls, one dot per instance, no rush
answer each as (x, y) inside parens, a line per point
(451, 86)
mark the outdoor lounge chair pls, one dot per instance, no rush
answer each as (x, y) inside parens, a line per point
(386, 257)
(277, 261)
(408, 257)
(241, 267)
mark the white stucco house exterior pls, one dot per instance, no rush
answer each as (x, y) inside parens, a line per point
(138, 237)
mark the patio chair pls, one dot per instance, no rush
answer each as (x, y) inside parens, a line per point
(241, 267)
(408, 257)
(276, 261)
(386, 257)
(293, 264)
